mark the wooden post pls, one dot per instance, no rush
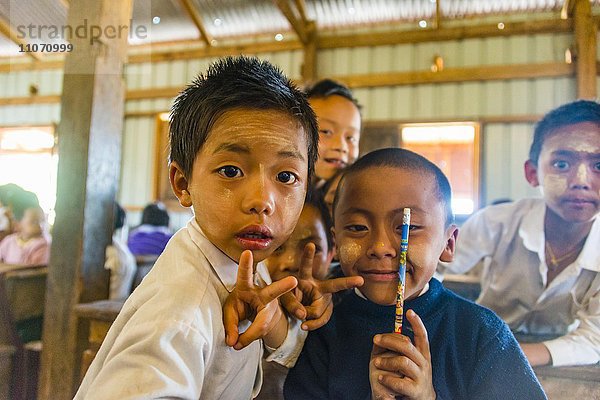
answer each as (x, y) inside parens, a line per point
(309, 65)
(89, 140)
(585, 39)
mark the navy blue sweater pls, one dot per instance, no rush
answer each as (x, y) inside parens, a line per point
(473, 353)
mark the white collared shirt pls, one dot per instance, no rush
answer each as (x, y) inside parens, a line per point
(169, 341)
(510, 239)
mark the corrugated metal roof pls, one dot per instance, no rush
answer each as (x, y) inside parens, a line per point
(166, 20)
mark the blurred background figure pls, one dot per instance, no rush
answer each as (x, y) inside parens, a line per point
(152, 235)
(119, 260)
(30, 244)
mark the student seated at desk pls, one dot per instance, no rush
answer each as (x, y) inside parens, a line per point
(449, 348)
(152, 235)
(541, 255)
(30, 245)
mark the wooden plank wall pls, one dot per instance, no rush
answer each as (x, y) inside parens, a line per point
(447, 101)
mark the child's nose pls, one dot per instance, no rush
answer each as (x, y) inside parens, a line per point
(381, 247)
(339, 143)
(581, 178)
(259, 197)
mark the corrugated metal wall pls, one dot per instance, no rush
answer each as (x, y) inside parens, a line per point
(502, 170)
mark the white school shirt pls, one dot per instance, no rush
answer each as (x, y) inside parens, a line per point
(510, 238)
(168, 341)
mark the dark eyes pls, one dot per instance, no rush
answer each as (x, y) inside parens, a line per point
(230, 171)
(560, 165)
(325, 131)
(356, 228)
(597, 166)
(287, 177)
(351, 139)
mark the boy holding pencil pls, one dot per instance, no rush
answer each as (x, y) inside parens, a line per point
(449, 348)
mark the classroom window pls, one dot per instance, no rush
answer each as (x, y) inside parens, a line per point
(29, 159)
(454, 147)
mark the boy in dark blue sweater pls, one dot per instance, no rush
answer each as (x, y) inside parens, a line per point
(450, 348)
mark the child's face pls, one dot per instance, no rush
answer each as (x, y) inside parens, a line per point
(248, 181)
(31, 223)
(568, 172)
(339, 133)
(285, 261)
(368, 221)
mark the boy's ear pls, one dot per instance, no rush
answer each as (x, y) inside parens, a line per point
(448, 252)
(179, 184)
(531, 173)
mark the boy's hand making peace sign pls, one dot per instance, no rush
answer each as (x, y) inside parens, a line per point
(311, 299)
(256, 304)
(399, 368)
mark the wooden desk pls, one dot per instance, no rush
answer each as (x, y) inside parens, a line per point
(580, 382)
(577, 382)
(467, 286)
(100, 315)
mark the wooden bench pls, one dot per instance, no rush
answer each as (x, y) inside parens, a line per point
(100, 315)
(22, 297)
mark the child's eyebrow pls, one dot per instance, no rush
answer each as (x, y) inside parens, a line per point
(572, 154)
(291, 154)
(232, 147)
(243, 149)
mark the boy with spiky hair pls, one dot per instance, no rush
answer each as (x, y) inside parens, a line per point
(243, 146)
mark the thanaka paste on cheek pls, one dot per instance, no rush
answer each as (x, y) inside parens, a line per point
(554, 185)
(349, 253)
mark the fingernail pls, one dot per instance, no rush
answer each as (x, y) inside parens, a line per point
(377, 338)
(237, 346)
(304, 327)
(410, 313)
(380, 378)
(377, 362)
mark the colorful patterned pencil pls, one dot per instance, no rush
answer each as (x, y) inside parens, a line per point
(402, 271)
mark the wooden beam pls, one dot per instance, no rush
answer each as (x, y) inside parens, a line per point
(297, 24)
(438, 15)
(156, 54)
(301, 6)
(215, 52)
(444, 34)
(89, 133)
(8, 31)
(193, 13)
(29, 100)
(466, 74)
(309, 64)
(448, 75)
(585, 42)
(490, 119)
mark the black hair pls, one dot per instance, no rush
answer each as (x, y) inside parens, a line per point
(407, 160)
(328, 87)
(118, 216)
(567, 114)
(315, 199)
(155, 214)
(235, 83)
